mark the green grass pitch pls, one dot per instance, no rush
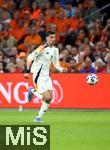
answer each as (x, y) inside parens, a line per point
(70, 130)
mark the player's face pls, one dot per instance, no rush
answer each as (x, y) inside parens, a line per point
(51, 39)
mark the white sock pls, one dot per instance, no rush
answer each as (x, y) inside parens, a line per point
(36, 93)
(43, 108)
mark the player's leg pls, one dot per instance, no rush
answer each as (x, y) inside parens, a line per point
(47, 97)
(51, 93)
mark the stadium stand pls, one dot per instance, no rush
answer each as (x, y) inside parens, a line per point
(82, 28)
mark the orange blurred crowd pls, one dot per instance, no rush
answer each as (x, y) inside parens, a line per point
(84, 44)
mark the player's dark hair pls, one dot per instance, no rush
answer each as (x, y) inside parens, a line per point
(50, 32)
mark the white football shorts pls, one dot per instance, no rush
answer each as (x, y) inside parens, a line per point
(43, 83)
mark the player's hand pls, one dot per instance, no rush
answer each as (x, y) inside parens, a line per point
(26, 75)
(65, 69)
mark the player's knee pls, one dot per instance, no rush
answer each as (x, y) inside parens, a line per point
(47, 99)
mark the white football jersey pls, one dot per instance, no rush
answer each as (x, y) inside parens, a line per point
(42, 60)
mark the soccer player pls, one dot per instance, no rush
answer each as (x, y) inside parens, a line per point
(41, 59)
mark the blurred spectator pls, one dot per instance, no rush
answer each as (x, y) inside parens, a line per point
(26, 18)
(60, 47)
(47, 8)
(11, 67)
(15, 19)
(87, 66)
(22, 55)
(19, 31)
(72, 65)
(99, 66)
(107, 70)
(74, 21)
(91, 9)
(1, 56)
(1, 68)
(61, 24)
(21, 45)
(63, 55)
(81, 9)
(42, 20)
(75, 54)
(32, 39)
(5, 17)
(35, 11)
(107, 57)
(51, 17)
(70, 10)
(7, 40)
(20, 65)
(58, 7)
